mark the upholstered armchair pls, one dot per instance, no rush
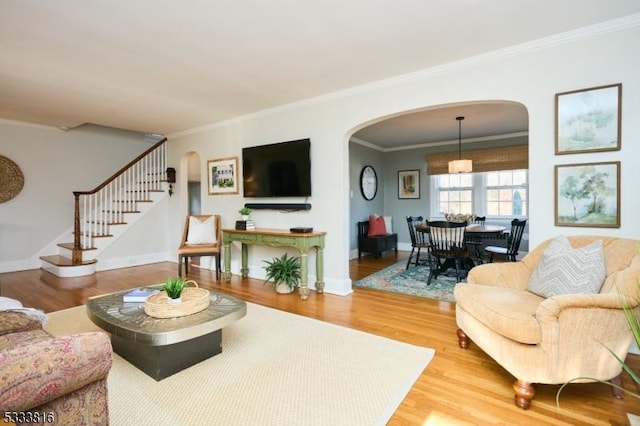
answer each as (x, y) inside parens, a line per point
(61, 379)
(551, 339)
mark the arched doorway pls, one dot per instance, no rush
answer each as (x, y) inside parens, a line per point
(402, 141)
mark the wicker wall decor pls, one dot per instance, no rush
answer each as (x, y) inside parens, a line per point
(11, 179)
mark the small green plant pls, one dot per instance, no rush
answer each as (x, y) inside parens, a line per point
(245, 211)
(174, 287)
(283, 269)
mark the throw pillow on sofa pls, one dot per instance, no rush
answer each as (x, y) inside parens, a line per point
(565, 270)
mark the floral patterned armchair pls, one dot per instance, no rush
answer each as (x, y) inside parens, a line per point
(59, 380)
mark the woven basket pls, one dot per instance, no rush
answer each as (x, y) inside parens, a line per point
(194, 300)
(11, 179)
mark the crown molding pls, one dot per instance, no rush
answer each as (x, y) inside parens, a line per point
(595, 30)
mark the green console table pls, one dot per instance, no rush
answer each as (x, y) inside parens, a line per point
(278, 238)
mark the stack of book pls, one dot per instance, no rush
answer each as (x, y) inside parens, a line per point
(245, 224)
(138, 295)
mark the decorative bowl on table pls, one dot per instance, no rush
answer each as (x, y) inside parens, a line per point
(460, 217)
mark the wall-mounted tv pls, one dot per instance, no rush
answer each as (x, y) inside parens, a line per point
(277, 170)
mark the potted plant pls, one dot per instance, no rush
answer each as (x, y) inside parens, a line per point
(173, 287)
(245, 212)
(284, 273)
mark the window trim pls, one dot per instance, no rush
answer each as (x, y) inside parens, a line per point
(478, 196)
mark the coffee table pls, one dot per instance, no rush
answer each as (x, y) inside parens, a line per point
(163, 347)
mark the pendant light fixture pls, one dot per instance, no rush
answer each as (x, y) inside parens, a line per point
(460, 165)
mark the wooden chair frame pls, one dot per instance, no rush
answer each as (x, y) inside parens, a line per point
(185, 251)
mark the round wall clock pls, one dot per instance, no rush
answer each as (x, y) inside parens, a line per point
(368, 182)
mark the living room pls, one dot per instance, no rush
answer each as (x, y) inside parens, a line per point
(530, 73)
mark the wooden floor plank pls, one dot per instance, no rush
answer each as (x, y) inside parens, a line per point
(464, 387)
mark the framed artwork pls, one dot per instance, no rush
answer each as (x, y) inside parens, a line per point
(222, 175)
(588, 195)
(409, 184)
(588, 120)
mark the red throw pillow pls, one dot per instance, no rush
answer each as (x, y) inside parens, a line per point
(376, 226)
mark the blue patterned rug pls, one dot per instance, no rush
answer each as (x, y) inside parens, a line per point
(411, 281)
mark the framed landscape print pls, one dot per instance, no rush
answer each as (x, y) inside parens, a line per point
(588, 195)
(222, 175)
(409, 184)
(588, 120)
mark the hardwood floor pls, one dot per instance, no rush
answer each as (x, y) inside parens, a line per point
(458, 386)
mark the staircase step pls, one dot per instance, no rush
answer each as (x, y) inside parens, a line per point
(133, 201)
(87, 234)
(63, 261)
(70, 246)
(123, 211)
(107, 223)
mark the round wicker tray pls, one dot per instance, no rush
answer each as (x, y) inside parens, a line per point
(194, 300)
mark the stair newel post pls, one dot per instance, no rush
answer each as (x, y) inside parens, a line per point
(76, 252)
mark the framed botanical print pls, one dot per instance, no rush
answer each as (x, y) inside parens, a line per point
(588, 195)
(409, 184)
(588, 120)
(222, 175)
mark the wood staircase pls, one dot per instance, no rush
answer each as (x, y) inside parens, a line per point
(105, 213)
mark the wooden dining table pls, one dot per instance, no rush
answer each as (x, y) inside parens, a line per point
(475, 232)
(474, 229)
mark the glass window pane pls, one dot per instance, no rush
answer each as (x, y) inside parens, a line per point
(506, 179)
(466, 180)
(520, 177)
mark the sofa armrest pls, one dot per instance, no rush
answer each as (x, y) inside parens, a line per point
(585, 320)
(35, 374)
(503, 274)
(552, 308)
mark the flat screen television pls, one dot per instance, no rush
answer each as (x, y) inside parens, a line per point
(277, 170)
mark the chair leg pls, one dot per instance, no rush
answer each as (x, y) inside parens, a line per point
(434, 268)
(180, 266)
(524, 393)
(410, 256)
(463, 339)
(617, 392)
(218, 268)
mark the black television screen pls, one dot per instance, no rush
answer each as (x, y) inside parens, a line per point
(277, 170)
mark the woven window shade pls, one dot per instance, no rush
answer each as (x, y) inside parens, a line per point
(484, 160)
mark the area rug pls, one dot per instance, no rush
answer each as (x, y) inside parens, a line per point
(411, 281)
(275, 368)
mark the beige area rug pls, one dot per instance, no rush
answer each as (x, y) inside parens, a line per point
(275, 368)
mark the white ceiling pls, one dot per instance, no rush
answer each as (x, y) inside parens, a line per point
(165, 66)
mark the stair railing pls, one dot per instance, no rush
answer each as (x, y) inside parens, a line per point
(107, 204)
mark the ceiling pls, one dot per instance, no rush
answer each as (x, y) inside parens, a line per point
(166, 66)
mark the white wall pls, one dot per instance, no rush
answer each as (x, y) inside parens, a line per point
(530, 74)
(54, 163)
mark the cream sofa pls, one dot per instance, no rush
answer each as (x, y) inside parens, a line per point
(550, 340)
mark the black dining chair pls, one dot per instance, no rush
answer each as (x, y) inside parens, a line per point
(418, 241)
(448, 248)
(475, 242)
(513, 242)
